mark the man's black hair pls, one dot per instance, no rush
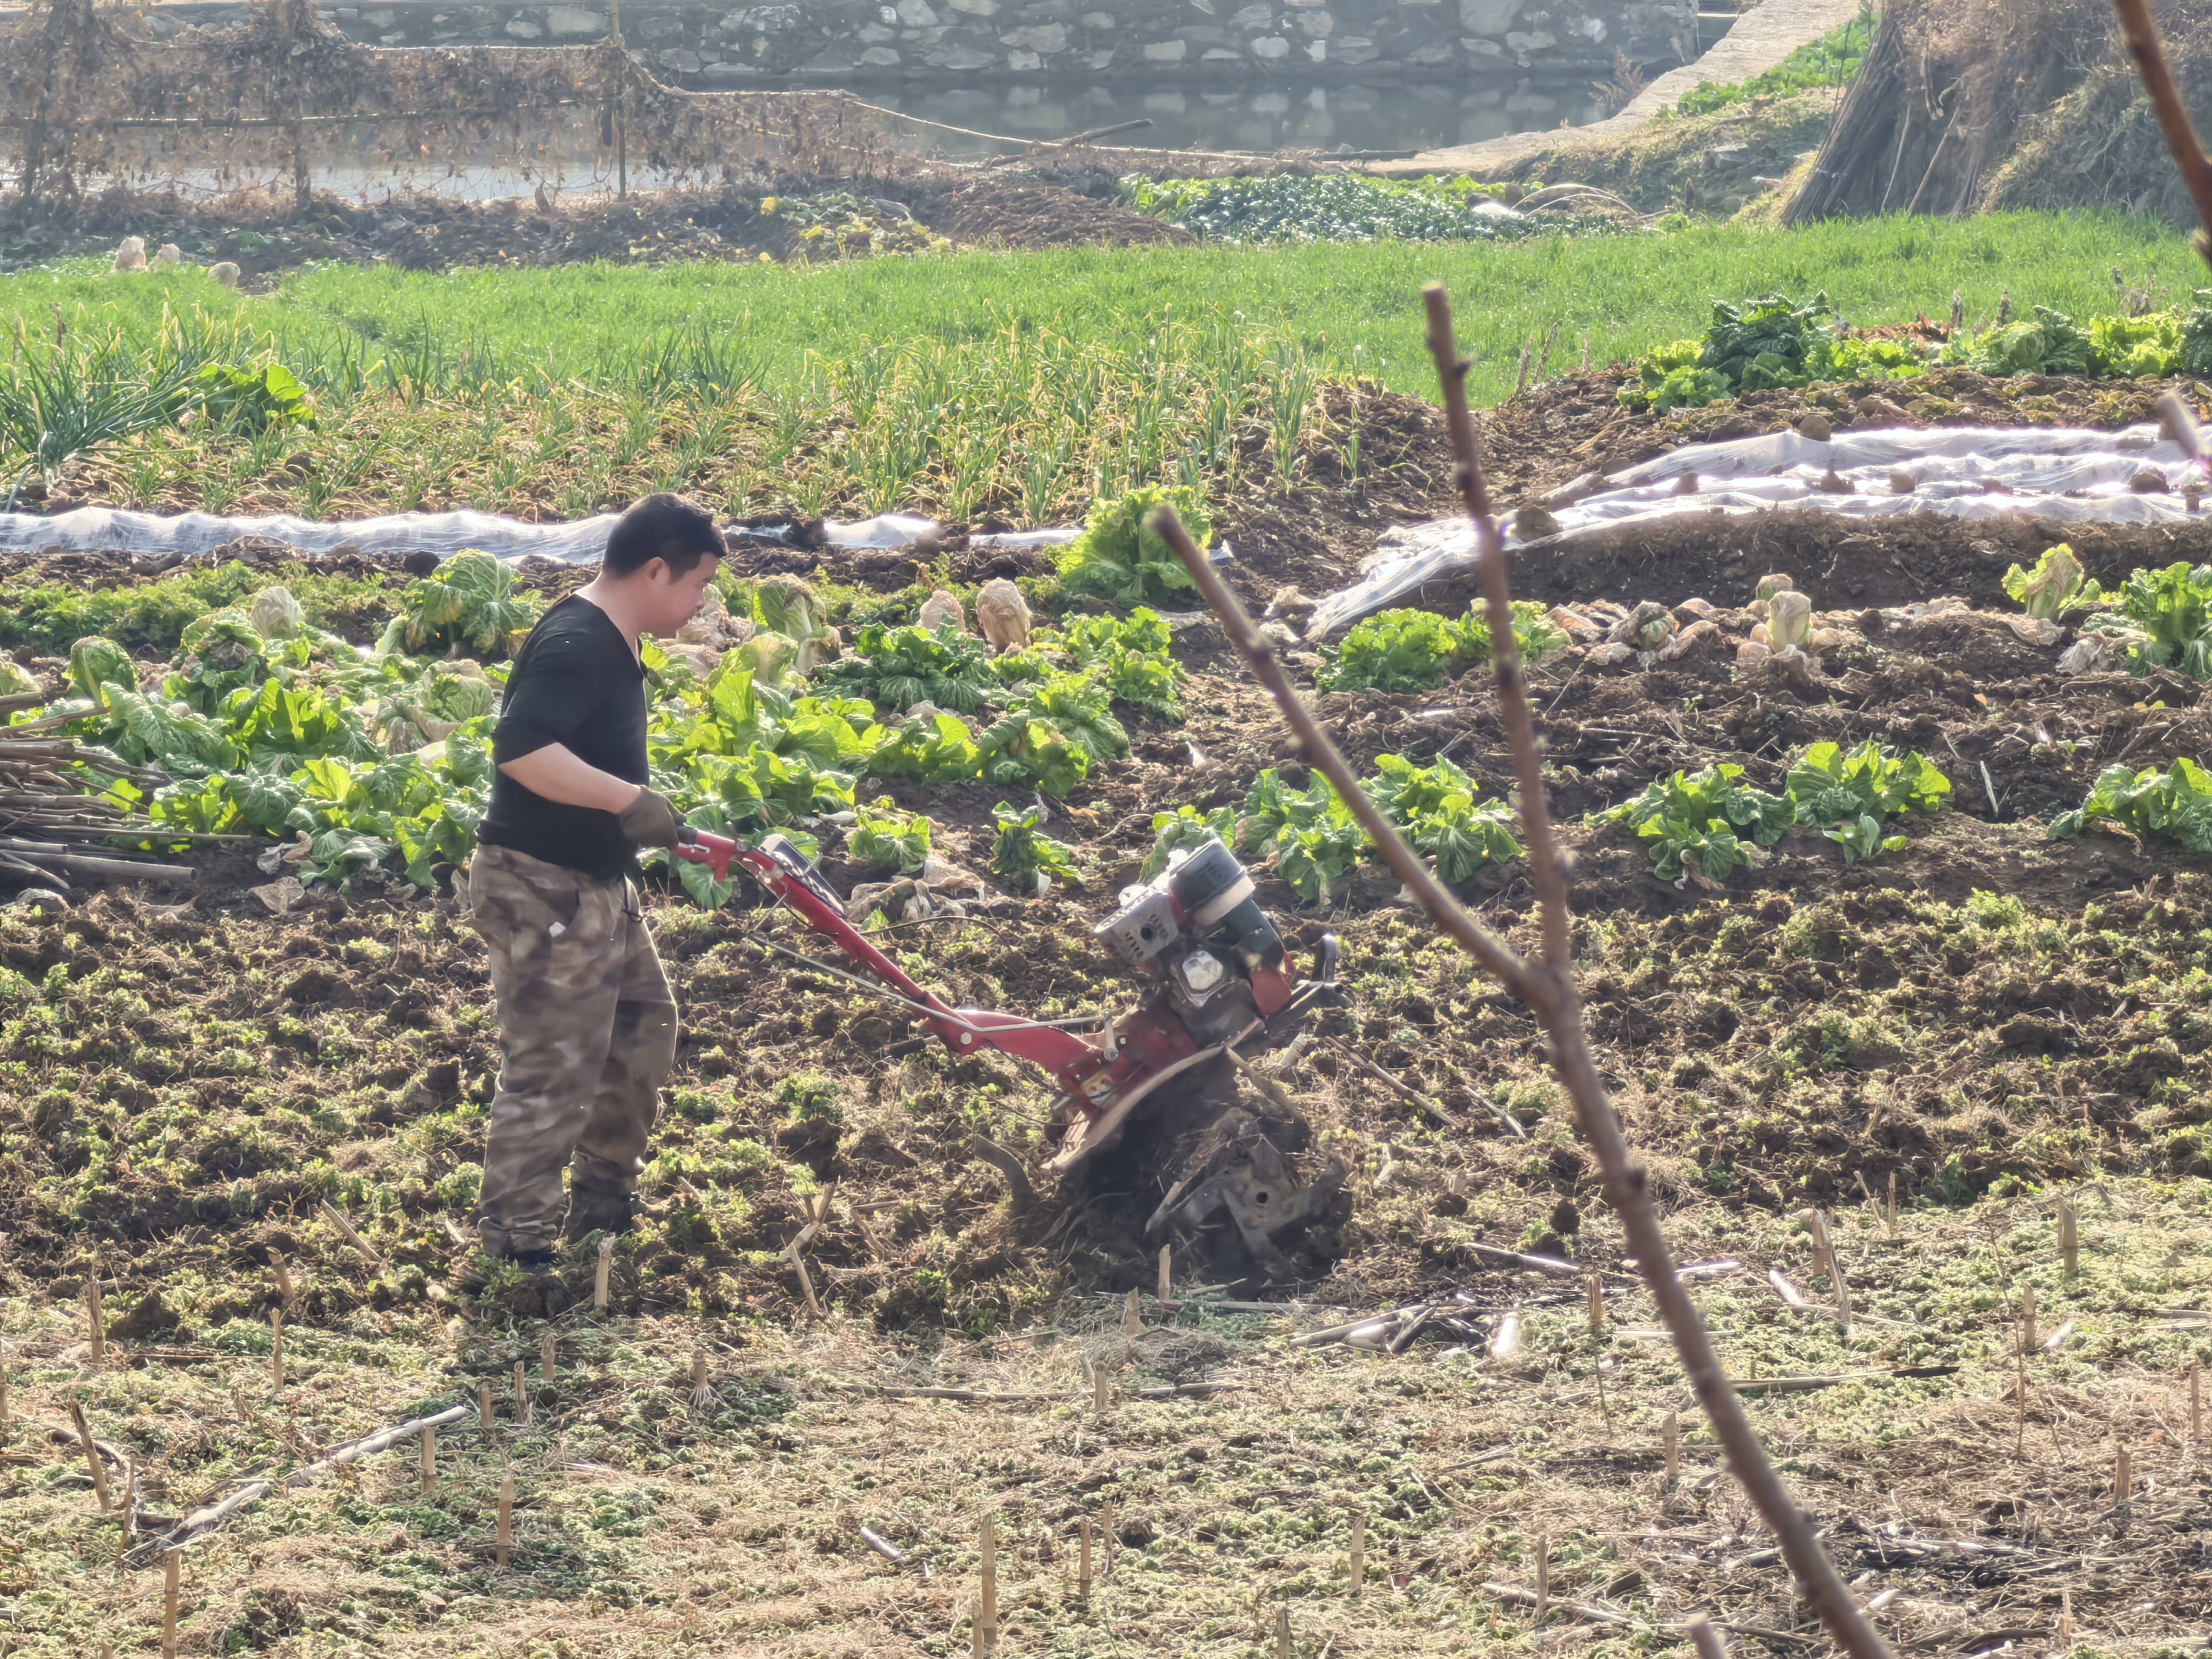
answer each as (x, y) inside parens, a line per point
(665, 527)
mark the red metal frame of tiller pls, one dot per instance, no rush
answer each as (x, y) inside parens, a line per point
(1147, 1044)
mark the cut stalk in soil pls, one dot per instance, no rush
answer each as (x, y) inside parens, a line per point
(1546, 985)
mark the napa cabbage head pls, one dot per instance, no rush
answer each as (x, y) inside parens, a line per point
(95, 663)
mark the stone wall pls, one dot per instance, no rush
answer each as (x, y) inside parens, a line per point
(1171, 41)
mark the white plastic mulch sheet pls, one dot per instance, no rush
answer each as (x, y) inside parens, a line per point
(1970, 473)
(582, 541)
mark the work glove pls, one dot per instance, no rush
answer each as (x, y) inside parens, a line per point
(649, 820)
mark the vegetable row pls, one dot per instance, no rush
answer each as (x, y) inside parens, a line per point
(380, 759)
(1773, 341)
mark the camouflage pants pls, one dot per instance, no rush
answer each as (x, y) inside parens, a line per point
(589, 1029)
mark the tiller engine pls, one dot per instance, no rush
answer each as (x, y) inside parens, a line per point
(1219, 981)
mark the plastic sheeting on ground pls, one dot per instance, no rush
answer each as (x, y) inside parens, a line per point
(2065, 473)
(582, 541)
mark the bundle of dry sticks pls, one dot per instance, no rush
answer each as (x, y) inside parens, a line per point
(51, 830)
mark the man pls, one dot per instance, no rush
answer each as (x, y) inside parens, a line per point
(584, 1013)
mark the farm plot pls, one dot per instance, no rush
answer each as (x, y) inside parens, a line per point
(1792, 1010)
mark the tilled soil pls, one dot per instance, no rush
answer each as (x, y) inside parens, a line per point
(1000, 212)
(427, 231)
(1987, 1005)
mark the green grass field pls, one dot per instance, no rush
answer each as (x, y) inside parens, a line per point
(1355, 306)
(1022, 384)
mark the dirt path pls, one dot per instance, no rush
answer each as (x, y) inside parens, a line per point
(1763, 37)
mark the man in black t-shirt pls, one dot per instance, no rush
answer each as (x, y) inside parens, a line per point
(584, 1013)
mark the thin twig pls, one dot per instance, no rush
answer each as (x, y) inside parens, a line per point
(1546, 987)
(201, 1521)
(1551, 876)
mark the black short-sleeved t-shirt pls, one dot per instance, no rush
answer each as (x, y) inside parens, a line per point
(576, 683)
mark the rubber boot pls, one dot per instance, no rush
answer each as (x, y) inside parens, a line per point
(600, 1207)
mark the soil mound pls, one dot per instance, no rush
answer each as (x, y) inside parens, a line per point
(796, 219)
(1009, 213)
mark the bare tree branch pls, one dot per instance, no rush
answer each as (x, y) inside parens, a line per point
(1547, 987)
(1504, 649)
(2173, 114)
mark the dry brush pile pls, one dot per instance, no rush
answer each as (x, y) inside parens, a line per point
(1988, 106)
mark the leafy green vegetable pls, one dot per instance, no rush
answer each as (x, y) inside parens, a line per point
(2055, 585)
(96, 663)
(761, 789)
(2130, 348)
(1850, 795)
(1018, 668)
(1827, 785)
(1274, 208)
(1093, 638)
(276, 615)
(1023, 854)
(835, 733)
(470, 600)
(1130, 656)
(1834, 356)
(1081, 709)
(146, 732)
(148, 616)
(1314, 856)
(2164, 618)
(253, 399)
(1118, 556)
(1830, 61)
(899, 667)
(1861, 838)
(1534, 633)
(1416, 650)
(883, 835)
(1761, 343)
(1311, 832)
(1023, 749)
(1393, 651)
(1764, 342)
(219, 653)
(789, 609)
(1270, 804)
(1698, 822)
(1183, 829)
(1675, 377)
(446, 696)
(1439, 808)
(276, 719)
(2175, 802)
(938, 749)
(1148, 683)
(2048, 344)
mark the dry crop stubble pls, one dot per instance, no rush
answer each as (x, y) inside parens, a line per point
(640, 1525)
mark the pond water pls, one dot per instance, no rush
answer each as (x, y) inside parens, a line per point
(1422, 115)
